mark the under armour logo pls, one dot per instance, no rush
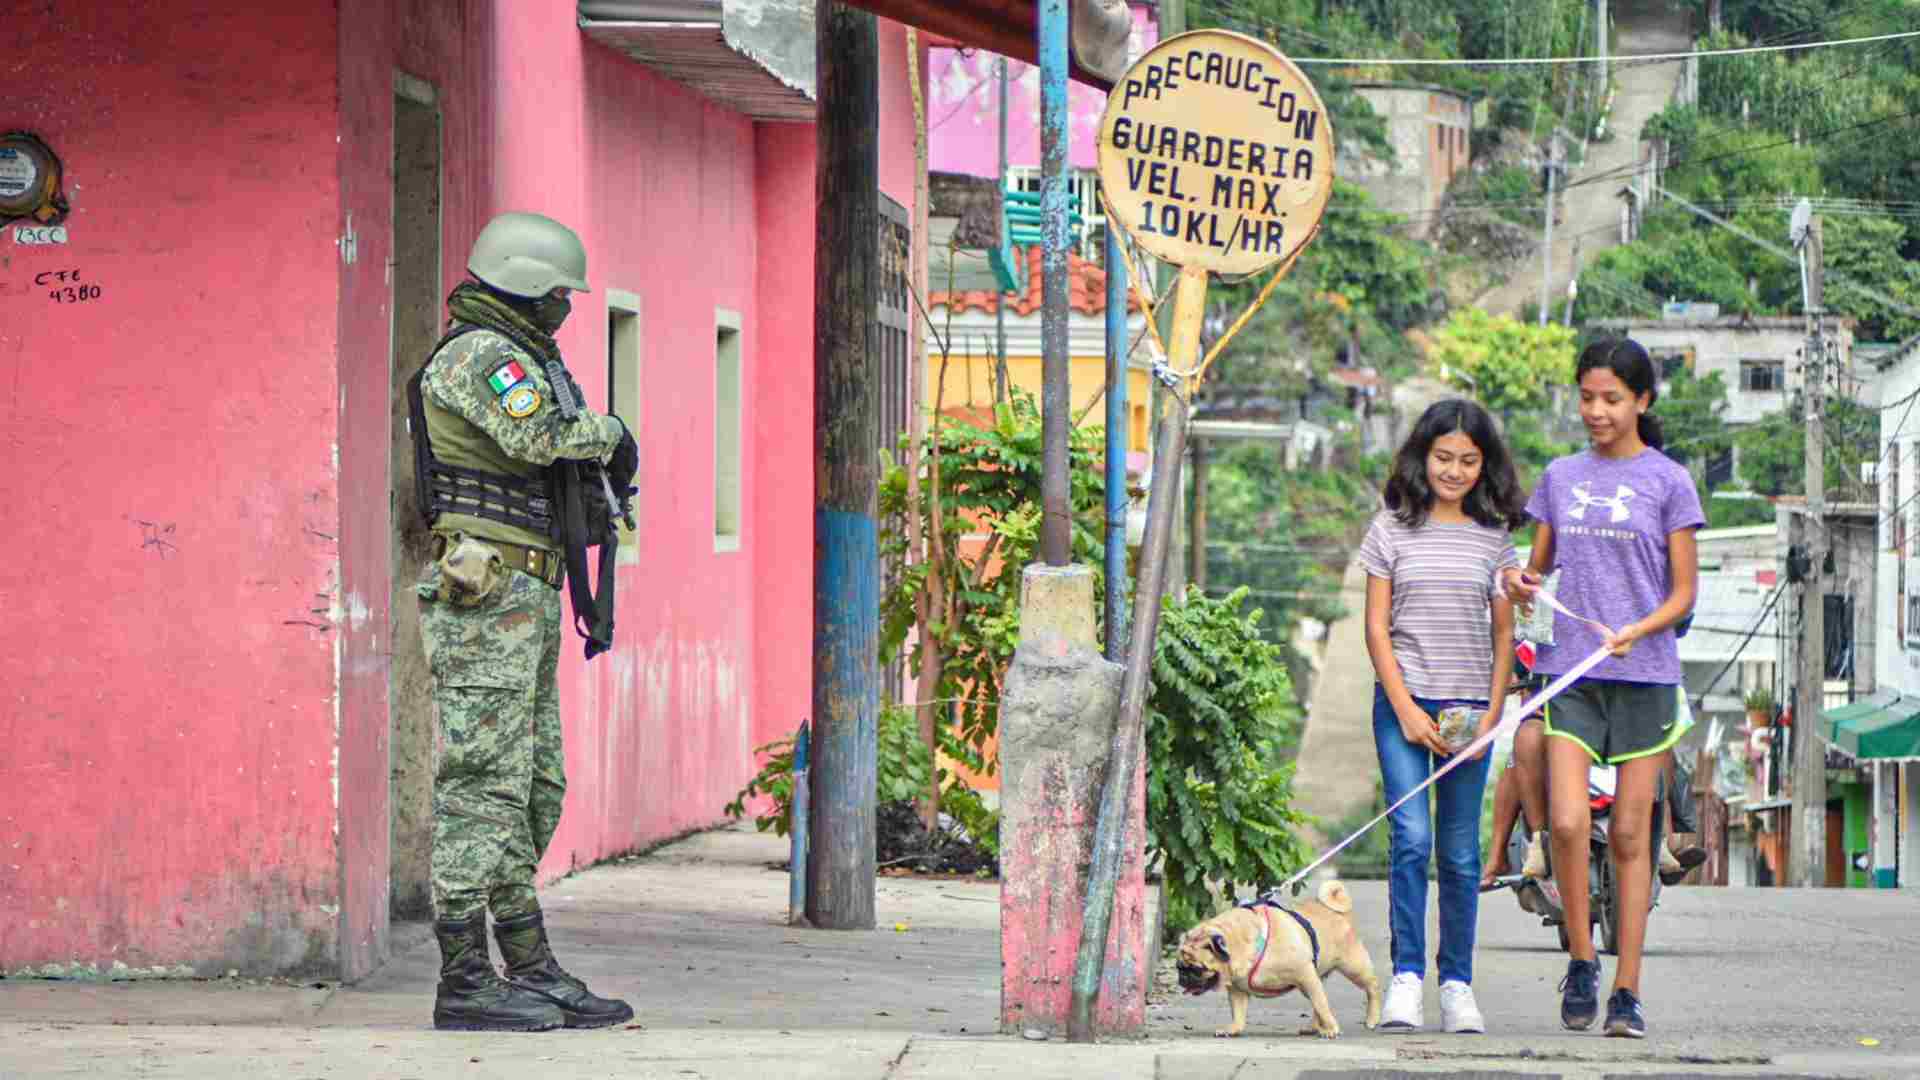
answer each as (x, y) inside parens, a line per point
(1583, 494)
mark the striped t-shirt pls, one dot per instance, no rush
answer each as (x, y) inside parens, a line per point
(1443, 581)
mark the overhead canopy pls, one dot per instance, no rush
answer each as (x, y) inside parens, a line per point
(1882, 727)
(1100, 30)
(757, 56)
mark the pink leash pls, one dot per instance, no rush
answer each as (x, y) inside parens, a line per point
(1507, 725)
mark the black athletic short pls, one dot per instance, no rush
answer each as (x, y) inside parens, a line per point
(1616, 721)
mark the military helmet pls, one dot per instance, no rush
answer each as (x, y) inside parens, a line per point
(529, 255)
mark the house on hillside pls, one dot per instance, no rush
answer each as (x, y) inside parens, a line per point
(1431, 131)
(1756, 356)
(222, 754)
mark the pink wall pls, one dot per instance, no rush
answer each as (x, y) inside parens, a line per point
(963, 112)
(782, 508)
(198, 767)
(170, 448)
(444, 43)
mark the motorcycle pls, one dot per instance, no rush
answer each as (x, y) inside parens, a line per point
(1541, 896)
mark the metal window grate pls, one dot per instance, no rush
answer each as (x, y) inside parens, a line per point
(893, 314)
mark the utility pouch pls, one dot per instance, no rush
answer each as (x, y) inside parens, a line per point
(471, 571)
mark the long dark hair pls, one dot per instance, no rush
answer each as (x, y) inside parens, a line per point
(1495, 500)
(1630, 363)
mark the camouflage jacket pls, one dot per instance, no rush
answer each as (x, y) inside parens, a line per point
(489, 406)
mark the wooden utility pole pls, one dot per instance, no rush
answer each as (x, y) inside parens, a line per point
(1809, 835)
(846, 561)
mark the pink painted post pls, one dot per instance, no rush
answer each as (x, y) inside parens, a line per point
(1056, 730)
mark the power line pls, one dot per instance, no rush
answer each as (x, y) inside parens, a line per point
(1642, 58)
(1831, 277)
(1744, 642)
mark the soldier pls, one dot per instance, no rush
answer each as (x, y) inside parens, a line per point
(501, 446)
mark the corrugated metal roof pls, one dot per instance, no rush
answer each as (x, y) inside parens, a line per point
(699, 55)
(1726, 607)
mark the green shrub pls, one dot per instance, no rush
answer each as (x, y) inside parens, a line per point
(1221, 725)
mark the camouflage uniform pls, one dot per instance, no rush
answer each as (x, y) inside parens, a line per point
(492, 634)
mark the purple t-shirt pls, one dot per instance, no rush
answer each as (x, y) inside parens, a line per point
(1611, 519)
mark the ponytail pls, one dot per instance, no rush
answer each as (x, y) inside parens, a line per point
(1650, 432)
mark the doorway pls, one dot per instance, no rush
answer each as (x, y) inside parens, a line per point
(416, 327)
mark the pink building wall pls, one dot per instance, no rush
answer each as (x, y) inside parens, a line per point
(169, 773)
(963, 111)
(198, 760)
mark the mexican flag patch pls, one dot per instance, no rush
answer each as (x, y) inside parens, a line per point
(504, 378)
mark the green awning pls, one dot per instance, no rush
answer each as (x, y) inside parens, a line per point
(1894, 733)
(1875, 728)
(1853, 712)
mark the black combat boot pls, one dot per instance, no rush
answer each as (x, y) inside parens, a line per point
(531, 966)
(472, 996)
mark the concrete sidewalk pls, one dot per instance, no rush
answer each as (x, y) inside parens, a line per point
(694, 937)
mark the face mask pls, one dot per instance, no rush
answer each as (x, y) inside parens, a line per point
(550, 311)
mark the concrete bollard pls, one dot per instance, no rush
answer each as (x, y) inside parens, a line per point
(1057, 715)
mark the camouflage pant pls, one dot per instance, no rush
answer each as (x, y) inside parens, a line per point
(500, 776)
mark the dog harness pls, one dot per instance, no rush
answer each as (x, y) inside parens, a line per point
(1266, 932)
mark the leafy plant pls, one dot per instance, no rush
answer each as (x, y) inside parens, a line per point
(989, 485)
(1508, 365)
(1221, 724)
(904, 768)
(1760, 700)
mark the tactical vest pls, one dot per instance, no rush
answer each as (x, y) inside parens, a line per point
(466, 483)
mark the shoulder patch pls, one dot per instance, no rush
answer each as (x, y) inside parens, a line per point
(505, 376)
(521, 401)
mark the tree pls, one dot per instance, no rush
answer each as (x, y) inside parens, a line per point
(1692, 414)
(1508, 365)
(1773, 451)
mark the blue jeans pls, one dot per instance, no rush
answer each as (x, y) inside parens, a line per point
(1456, 799)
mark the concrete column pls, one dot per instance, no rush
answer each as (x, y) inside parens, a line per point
(1886, 811)
(1910, 826)
(1057, 715)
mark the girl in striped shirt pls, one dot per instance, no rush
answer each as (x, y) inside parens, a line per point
(1441, 637)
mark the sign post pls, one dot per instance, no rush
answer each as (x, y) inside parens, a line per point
(1216, 156)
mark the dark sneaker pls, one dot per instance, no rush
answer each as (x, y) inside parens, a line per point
(1624, 1018)
(1684, 862)
(1580, 995)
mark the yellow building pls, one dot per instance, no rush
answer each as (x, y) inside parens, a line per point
(965, 317)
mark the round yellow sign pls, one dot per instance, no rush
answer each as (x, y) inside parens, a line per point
(1216, 152)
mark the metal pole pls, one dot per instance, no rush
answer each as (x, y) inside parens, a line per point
(1117, 442)
(1103, 876)
(1573, 288)
(1056, 523)
(1546, 243)
(1000, 305)
(846, 558)
(1809, 834)
(797, 832)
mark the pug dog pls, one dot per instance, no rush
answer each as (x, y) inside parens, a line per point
(1264, 951)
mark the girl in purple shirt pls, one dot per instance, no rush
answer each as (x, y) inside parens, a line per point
(1618, 520)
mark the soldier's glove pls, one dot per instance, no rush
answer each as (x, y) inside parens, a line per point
(625, 463)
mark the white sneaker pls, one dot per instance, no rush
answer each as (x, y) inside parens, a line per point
(1459, 1013)
(1536, 864)
(1404, 1008)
